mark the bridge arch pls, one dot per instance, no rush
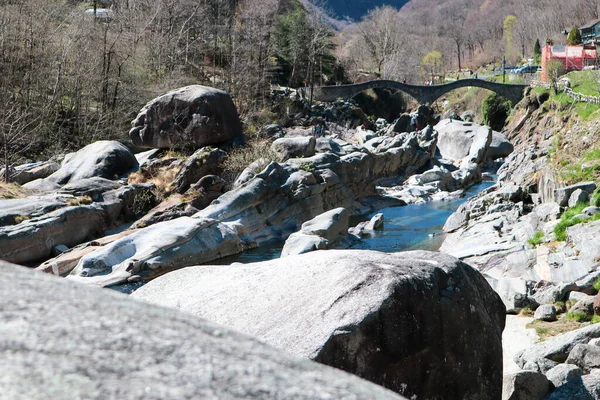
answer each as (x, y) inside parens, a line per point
(423, 94)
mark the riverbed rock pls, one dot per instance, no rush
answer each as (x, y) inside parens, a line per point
(14, 211)
(24, 173)
(585, 356)
(159, 248)
(546, 355)
(578, 196)
(104, 159)
(545, 312)
(563, 373)
(586, 387)
(525, 385)
(317, 234)
(585, 306)
(406, 321)
(562, 195)
(205, 161)
(295, 147)
(33, 239)
(499, 147)
(191, 116)
(92, 187)
(105, 345)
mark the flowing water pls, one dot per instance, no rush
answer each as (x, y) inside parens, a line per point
(411, 227)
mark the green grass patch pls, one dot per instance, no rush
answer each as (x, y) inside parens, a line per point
(577, 316)
(595, 198)
(568, 218)
(536, 239)
(595, 319)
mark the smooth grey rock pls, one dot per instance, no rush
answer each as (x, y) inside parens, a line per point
(562, 195)
(576, 296)
(545, 312)
(550, 293)
(548, 211)
(591, 211)
(104, 345)
(317, 234)
(585, 356)
(457, 220)
(578, 196)
(379, 315)
(584, 305)
(22, 174)
(563, 373)
(91, 187)
(514, 294)
(189, 116)
(500, 147)
(295, 147)
(525, 385)
(205, 161)
(545, 355)
(104, 159)
(328, 145)
(586, 387)
(157, 249)
(376, 222)
(33, 239)
(12, 210)
(480, 145)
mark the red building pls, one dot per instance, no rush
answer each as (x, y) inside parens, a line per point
(573, 58)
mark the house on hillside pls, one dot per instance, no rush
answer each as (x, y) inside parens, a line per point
(573, 58)
(590, 32)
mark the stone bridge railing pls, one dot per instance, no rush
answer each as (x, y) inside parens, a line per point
(423, 94)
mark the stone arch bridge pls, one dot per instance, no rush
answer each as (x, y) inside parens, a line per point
(423, 94)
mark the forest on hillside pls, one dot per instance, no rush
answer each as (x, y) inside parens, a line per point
(72, 75)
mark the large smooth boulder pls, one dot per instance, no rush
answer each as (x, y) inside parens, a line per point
(563, 373)
(33, 239)
(294, 147)
(499, 147)
(24, 173)
(525, 385)
(81, 342)
(586, 387)
(103, 159)
(562, 195)
(546, 355)
(545, 312)
(585, 356)
(456, 139)
(318, 234)
(420, 323)
(157, 249)
(191, 116)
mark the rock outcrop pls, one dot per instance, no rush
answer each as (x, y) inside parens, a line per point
(103, 159)
(422, 324)
(84, 343)
(192, 116)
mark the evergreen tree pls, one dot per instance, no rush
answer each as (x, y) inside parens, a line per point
(537, 51)
(574, 37)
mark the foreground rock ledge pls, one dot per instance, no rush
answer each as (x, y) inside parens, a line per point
(419, 323)
(61, 340)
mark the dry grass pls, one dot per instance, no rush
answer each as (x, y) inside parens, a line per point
(80, 201)
(162, 179)
(549, 329)
(13, 191)
(238, 159)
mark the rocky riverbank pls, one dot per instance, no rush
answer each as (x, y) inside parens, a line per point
(535, 239)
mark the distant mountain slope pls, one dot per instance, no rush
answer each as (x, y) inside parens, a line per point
(356, 9)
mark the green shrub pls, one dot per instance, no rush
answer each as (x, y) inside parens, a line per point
(568, 219)
(577, 316)
(495, 110)
(536, 239)
(595, 319)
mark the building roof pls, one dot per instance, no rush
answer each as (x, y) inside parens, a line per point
(590, 24)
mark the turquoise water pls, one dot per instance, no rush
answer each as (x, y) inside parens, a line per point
(411, 227)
